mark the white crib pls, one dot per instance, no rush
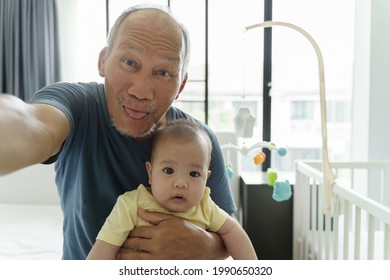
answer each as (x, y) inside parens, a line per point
(360, 225)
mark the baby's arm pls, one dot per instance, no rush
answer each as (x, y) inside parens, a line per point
(103, 251)
(237, 241)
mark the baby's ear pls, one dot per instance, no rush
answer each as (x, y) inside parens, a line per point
(208, 173)
(148, 166)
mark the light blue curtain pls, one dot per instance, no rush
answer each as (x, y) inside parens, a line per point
(29, 46)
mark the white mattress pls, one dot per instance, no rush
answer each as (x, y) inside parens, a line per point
(30, 232)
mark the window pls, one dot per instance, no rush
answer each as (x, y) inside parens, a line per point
(339, 111)
(295, 78)
(302, 110)
(234, 60)
(82, 36)
(229, 56)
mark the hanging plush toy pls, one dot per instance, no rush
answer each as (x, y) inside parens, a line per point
(259, 158)
(282, 188)
(229, 170)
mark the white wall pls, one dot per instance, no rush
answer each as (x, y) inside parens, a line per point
(379, 132)
(371, 95)
(361, 83)
(31, 185)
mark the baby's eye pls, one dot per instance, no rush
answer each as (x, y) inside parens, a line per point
(168, 170)
(194, 174)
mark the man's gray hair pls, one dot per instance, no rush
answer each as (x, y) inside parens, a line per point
(165, 9)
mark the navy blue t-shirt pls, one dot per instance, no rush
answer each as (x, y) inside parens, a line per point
(97, 164)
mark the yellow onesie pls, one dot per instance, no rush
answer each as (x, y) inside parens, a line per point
(124, 218)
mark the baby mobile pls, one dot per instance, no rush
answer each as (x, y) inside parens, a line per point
(243, 123)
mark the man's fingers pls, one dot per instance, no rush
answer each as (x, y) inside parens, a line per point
(144, 232)
(136, 255)
(138, 243)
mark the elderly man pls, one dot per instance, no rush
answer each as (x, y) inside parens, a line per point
(99, 137)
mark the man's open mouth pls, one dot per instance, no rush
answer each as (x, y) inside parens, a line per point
(134, 114)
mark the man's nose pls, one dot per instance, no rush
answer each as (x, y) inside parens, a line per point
(141, 87)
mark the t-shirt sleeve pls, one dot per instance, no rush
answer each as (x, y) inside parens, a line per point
(70, 98)
(217, 216)
(120, 222)
(67, 97)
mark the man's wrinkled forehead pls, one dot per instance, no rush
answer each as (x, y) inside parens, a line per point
(151, 15)
(160, 21)
(148, 15)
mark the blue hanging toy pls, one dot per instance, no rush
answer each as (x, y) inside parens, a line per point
(282, 188)
(229, 170)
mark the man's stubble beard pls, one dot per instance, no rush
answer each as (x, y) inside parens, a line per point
(145, 134)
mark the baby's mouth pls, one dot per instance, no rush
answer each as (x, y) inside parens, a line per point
(178, 197)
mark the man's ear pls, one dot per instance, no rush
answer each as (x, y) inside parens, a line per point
(183, 83)
(102, 57)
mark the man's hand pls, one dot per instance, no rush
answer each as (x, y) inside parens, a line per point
(171, 238)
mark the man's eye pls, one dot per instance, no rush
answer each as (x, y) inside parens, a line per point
(164, 73)
(168, 170)
(130, 63)
(194, 174)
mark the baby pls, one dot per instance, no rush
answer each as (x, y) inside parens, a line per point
(178, 171)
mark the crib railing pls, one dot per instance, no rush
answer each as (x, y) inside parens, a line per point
(360, 225)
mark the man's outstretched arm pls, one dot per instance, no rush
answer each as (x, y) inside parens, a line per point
(29, 133)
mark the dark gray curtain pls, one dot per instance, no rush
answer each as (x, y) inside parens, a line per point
(29, 46)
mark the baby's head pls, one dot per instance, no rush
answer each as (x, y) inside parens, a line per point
(179, 165)
(183, 131)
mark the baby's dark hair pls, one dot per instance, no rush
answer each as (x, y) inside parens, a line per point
(184, 131)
